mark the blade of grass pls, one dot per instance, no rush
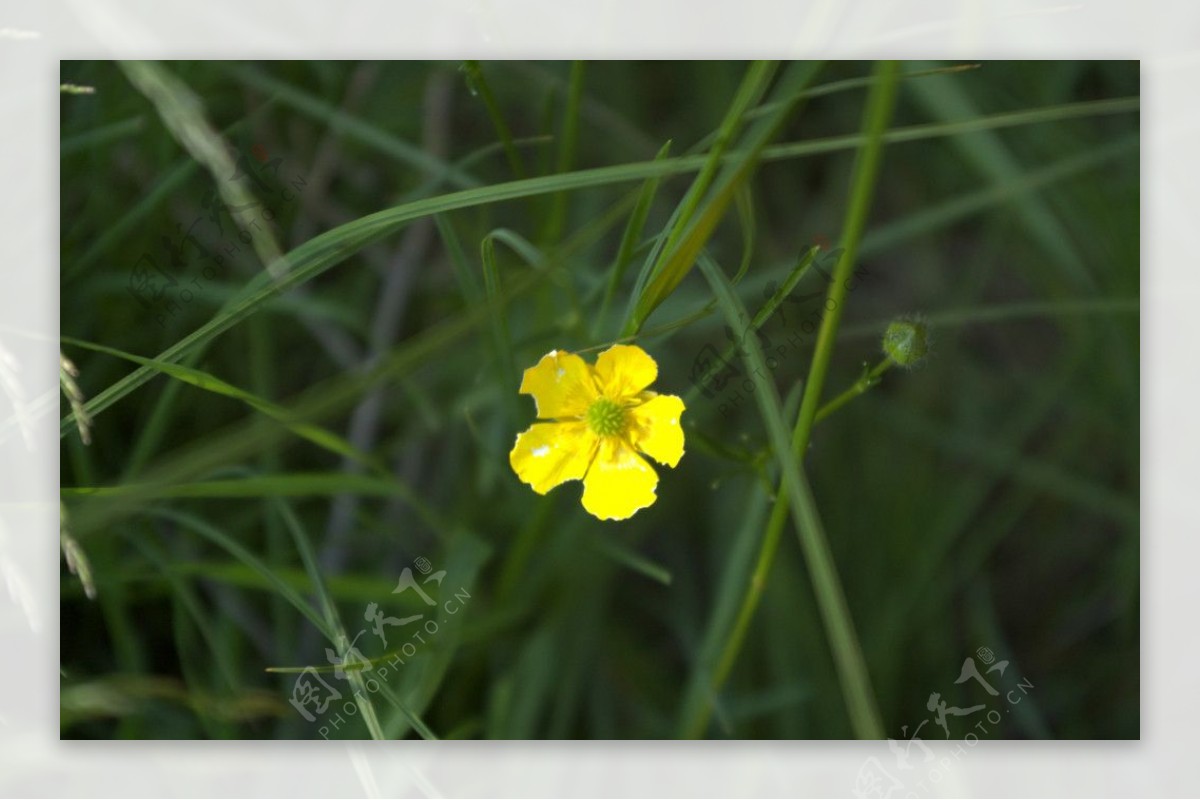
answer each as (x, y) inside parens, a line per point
(332, 619)
(631, 559)
(1000, 456)
(839, 627)
(803, 264)
(105, 134)
(465, 557)
(835, 87)
(331, 248)
(602, 118)
(350, 588)
(875, 120)
(743, 201)
(630, 240)
(505, 361)
(688, 232)
(1016, 189)
(935, 130)
(182, 112)
(154, 431)
(736, 570)
(319, 436)
(353, 127)
(1007, 312)
(923, 222)
(986, 153)
(152, 199)
(468, 282)
(231, 546)
(248, 437)
(189, 602)
(754, 83)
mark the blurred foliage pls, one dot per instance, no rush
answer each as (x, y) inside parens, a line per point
(254, 504)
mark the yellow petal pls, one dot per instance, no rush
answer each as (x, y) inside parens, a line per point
(561, 384)
(550, 453)
(623, 370)
(655, 429)
(619, 482)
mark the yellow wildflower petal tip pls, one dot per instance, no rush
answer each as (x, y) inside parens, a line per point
(624, 370)
(562, 385)
(656, 429)
(596, 425)
(620, 482)
(551, 453)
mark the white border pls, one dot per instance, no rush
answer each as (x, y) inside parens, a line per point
(34, 38)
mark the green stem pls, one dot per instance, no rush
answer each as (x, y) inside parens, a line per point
(879, 112)
(861, 385)
(847, 655)
(831, 602)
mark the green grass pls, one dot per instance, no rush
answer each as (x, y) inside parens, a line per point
(335, 403)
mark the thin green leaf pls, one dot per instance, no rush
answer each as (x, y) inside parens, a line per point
(323, 252)
(332, 618)
(210, 383)
(839, 627)
(231, 546)
(693, 224)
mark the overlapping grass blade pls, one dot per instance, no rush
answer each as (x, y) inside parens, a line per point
(630, 240)
(182, 112)
(231, 546)
(333, 620)
(988, 154)
(355, 127)
(319, 436)
(839, 627)
(699, 212)
(323, 252)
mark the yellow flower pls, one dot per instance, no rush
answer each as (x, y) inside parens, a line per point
(595, 423)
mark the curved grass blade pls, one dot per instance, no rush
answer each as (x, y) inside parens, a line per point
(182, 111)
(630, 239)
(831, 600)
(693, 224)
(355, 128)
(803, 264)
(323, 252)
(319, 436)
(332, 618)
(231, 546)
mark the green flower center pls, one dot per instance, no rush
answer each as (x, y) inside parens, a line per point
(605, 417)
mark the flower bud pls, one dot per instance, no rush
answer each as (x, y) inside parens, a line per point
(906, 341)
